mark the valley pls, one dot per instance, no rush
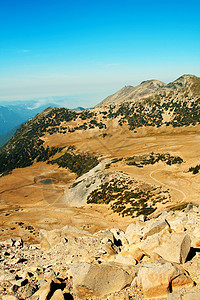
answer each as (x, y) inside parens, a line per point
(26, 199)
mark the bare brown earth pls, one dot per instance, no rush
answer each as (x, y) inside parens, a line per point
(25, 201)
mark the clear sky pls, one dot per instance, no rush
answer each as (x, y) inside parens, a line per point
(71, 47)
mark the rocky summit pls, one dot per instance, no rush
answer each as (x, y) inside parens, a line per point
(153, 258)
(103, 203)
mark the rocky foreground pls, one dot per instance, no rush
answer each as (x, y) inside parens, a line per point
(154, 258)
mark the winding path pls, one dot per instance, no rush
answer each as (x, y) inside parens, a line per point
(169, 186)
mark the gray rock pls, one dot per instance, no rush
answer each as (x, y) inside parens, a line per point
(29, 291)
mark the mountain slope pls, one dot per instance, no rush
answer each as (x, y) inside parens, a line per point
(178, 107)
(149, 88)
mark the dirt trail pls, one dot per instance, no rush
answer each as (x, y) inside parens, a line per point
(167, 185)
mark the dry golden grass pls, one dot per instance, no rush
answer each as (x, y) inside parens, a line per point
(25, 199)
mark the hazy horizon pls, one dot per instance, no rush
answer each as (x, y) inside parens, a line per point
(94, 48)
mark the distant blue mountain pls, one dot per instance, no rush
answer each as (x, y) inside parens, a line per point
(15, 113)
(5, 137)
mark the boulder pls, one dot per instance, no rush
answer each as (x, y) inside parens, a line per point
(98, 280)
(134, 232)
(49, 239)
(189, 207)
(19, 243)
(155, 278)
(172, 247)
(156, 227)
(108, 248)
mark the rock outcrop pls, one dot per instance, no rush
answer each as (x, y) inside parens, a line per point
(154, 258)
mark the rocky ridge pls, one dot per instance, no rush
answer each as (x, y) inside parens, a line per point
(153, 258)
(151, 88)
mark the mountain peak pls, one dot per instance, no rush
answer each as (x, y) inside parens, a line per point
(152, 81)
(182, 81)
(149, 88)
(130, 93)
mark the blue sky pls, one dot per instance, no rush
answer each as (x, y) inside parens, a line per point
(77, 47)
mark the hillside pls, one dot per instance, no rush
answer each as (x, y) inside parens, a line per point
(182, 87)
(112, 163)
(178, 107)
